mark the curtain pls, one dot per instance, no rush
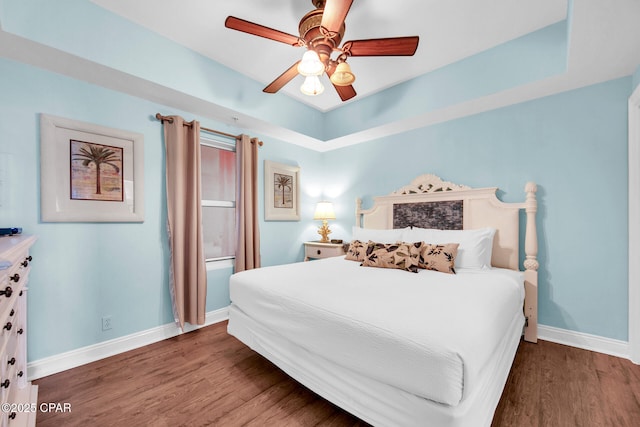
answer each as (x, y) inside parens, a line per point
(248, 238)
(184, 212)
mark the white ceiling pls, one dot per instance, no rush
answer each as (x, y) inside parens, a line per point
(449, 31)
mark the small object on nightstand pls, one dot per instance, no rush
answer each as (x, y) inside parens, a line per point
(322, 250)
(336, 240)
(10, 231)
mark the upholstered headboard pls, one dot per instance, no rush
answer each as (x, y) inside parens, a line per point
(430, 202)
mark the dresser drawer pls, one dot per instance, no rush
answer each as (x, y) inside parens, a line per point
(12, 283)
(15, 389)
(10, 326)
(322, 250)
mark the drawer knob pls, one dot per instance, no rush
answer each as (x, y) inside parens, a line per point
(319, 251)
(15, 277)
(25, 263)
(7, 291)
(29, 258)
(20, 331)
(8, 326)
(12, 312)
(20, 374)
(11, 361)
(5, 383)
(12, 416)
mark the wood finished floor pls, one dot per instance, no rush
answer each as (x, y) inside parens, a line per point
(207, 377)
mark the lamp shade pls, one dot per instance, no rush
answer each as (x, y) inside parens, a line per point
(324, 211)
(342, 76)
(312, 86)
(310, 65)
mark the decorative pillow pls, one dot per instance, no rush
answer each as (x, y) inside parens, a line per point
(475, 246)
(391, 235)
(357, 250)
(391, 255)
(438, 257)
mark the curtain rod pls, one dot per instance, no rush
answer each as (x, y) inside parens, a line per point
(170, 120)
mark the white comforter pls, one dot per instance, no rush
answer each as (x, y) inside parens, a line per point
(429, 333)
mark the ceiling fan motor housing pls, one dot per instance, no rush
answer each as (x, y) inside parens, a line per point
(310, 32)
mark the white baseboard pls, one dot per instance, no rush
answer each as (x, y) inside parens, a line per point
(81, 356)
(584, 341)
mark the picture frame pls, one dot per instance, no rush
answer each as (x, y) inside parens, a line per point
(281, 192)
(90, 173)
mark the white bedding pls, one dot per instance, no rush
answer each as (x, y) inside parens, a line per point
(429, 334)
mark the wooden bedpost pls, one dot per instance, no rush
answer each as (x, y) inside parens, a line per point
(531, 265)
(358, 212)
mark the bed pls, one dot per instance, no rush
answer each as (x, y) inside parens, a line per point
(404, 346)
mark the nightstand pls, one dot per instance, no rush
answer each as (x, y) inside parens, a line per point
(322, 250)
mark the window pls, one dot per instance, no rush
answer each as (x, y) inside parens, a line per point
(218, 161)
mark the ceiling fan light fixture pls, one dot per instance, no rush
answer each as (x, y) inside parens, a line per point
(310, 65)
(312, 86)
(343, 76)
(320, 33)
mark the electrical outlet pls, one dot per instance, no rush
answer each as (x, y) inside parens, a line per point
(106, 323)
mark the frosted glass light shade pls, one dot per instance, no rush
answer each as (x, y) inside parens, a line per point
(312, 86)
(310, 65)
(324, 210)
(342, 76)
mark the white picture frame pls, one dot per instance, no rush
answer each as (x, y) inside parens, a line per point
(281, 192)
(68, 171)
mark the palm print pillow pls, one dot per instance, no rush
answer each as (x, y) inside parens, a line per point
(391, 255)
(356, 251)
(438, 257)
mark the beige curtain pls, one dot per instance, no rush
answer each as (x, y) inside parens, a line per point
(188, 272)
(248, 242)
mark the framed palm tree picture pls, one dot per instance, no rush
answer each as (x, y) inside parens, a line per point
(281, 192)
(90, 173)
(96, 172)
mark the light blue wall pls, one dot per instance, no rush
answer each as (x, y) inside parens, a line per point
(82, 272)
(81, 28)
(573, 145)
(1, 12)
(636, 78)
(532, 57)
(281, 241)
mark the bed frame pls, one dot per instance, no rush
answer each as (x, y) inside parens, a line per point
(430, 202)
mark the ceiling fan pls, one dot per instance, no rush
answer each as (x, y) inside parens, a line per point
(321, 32)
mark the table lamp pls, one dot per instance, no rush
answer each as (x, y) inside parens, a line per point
(324, 211)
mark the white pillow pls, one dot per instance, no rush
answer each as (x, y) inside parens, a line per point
(475, 247)
(392, 235)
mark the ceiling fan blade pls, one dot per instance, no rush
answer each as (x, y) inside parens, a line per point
(394, 46)
(282, 79)
(345, 92)
(260, 30)
(335, 11)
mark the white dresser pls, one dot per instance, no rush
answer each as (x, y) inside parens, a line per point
(19, 397)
